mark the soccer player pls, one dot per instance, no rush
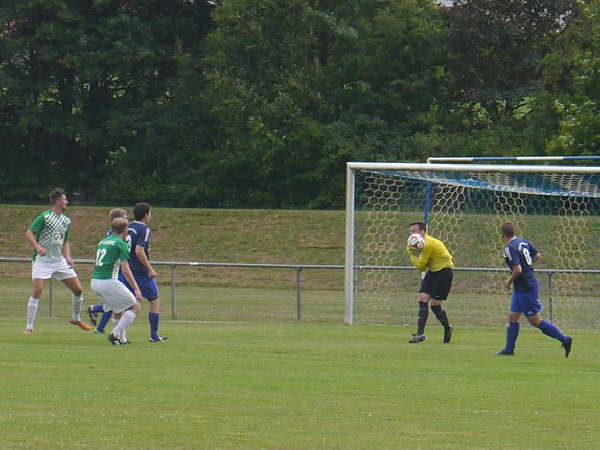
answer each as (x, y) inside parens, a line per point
(435, 285)
(520, 255)
(93, 310)
(48, 234)
(112, 254)
(142, 270)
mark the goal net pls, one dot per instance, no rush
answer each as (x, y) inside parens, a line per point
(557, 208)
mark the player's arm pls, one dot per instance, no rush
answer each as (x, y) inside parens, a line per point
(515, 273)
(126, 271)
(515, 268)
(420, 260)
(30, 237)
(33, 231)
(66, 251)
(143, 258)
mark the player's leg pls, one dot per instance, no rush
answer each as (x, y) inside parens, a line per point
(149, 290)
(37, 286)
(440, 288)
(125, 321)
(93, 311)
(442, 317)
(512, 330)
(119, 300)
(76, 300)
(422, 315)
(549, 329)
(103, 321)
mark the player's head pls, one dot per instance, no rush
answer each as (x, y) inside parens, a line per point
(58, 198)
(417, 227)
(117, 213)
(119, 226)
(142, 211)
(507, 230)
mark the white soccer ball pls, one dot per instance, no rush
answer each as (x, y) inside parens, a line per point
(416, 241)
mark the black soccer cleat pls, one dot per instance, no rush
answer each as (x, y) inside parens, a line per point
(416, 338)
(505, 352)
(113, 339)
(567, 346)
(93, 315)
(159, 339)
(448, 334)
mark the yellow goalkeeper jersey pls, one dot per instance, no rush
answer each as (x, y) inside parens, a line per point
(434, 256)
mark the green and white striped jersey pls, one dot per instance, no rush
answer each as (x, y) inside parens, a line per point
(51, 230)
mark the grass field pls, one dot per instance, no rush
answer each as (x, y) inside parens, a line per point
(238, 371)
(286, 385)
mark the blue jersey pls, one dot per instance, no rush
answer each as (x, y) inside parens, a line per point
(140, 235)
(520, 252)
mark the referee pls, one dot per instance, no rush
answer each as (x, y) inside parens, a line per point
(435, 285)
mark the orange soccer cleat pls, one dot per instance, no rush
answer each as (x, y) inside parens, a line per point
(78, 323)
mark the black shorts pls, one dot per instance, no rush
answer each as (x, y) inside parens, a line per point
(437, 284)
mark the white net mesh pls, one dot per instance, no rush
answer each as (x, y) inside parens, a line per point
(558, 213)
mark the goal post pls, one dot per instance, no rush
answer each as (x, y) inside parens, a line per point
(556, 207)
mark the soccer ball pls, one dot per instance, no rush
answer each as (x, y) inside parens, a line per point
(415, 241)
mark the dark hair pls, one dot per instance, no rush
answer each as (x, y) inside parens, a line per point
(118, 225)
(55, 194)
(140, 210)
(507, 229)
(421, 225)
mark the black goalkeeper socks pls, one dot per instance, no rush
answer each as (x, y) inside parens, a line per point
(441, 315)
(422, 318)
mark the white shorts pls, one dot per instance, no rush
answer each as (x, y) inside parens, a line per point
(45, 270)
(114, 295)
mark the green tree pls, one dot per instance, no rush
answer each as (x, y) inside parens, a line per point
(71, 71)
(572, 77)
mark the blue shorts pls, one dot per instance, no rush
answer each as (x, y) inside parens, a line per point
(147, 285)
(526, 302)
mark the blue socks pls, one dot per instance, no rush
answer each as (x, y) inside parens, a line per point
(153, 319)
(549, 329)
(512, 333)
(104, 320)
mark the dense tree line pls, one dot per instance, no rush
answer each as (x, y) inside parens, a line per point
(239, 103)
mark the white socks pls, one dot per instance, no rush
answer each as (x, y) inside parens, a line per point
(32, 307)
(126, 319)
(77, 301)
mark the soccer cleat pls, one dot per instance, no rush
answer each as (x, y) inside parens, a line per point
(416, 338)
(113, 339)
(78, 323)
(93, 315)
(158, 339)
(505, 352)
(97, 331)
(28, 331)
(567, 346)
(448, 334)
(125, 342)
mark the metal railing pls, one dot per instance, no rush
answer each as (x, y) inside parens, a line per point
(298, 268)
(174, 264)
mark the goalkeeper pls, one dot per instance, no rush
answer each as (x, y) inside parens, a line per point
(435, 285)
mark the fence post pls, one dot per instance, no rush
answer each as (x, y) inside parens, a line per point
(50, 296)
(550, 295)
(173, 266)
(298, 294)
